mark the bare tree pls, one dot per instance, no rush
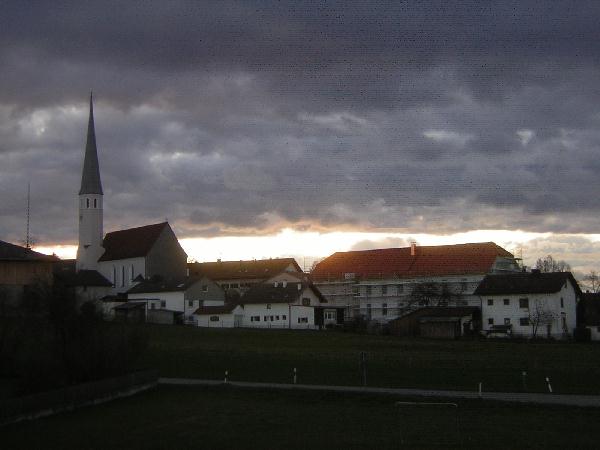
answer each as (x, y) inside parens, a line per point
(540, 314)
(591, 281)
(549, 264)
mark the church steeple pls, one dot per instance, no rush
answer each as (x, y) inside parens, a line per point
(90, 204)
(90, 178)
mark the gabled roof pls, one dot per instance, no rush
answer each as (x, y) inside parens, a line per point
(268, 293)
(209, 310)
(160, 285)
(525, 283)
(254, 269)
(440, 260)
(90, 176)
(12, 252)
(131, 243)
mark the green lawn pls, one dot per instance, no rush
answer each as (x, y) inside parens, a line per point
(333, 358)
(223, 418)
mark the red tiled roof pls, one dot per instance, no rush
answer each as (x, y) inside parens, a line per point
(232, 270)
(461, 259)
(131, 243)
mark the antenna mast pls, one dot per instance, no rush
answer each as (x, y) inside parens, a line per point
(27, 237)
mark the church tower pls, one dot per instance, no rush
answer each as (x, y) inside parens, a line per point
(90, 204)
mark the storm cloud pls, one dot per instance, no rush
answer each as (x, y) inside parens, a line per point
(240, 118)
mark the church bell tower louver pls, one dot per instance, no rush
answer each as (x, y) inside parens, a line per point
(90, 204)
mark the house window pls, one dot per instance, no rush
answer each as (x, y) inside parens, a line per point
(507, 301)
(266, 318)
(355, 291)
(234, 285)
(330, 315)
(283, 317)
(268, 306)
(205, 288)
(214, 318)
(524, 303)
(276, 317)
(490, 321)
(255, 319)
(384, 290)
(302, 319)
(163, 304)
(225, 285)
(524, 321)
(271, 317)
(384, 309)
(507, 321)
(562, 302)
(490, 302)
(306, 301)
(191, 303)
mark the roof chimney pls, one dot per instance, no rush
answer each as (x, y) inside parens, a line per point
(413, 249)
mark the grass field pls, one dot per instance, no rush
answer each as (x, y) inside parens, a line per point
(333, 358)
(220, 418)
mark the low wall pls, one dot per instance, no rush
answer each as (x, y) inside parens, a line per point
(72, 397)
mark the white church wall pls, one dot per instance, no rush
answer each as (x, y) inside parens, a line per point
(113, 271)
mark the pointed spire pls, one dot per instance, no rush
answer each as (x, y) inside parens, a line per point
(90, 178)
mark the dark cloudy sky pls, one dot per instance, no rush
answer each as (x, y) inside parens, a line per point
(237, 118)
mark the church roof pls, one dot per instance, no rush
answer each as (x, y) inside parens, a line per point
(12, 252)
(131, 243)
(90, 177)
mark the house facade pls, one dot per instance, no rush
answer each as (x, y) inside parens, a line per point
(219, 316)
(184, 295)
(384, 284)
(531, 304)
(285, 304)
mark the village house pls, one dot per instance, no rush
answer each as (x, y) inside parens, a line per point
(283, 304)
(529, 304)
(182, 296)
(21, 268)
(241, 275)
(228, 315)
(381, 285)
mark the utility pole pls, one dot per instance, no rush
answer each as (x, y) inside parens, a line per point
(27, 237)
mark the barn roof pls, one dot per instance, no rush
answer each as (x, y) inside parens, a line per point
(131, 243)
(12, 252)
(525, 283)
(461, 259)
(253, 269)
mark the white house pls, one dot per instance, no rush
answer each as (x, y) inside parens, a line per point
(184, 295)
(224, 316)
(531, 304)
(384, 284)
(282, 304)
